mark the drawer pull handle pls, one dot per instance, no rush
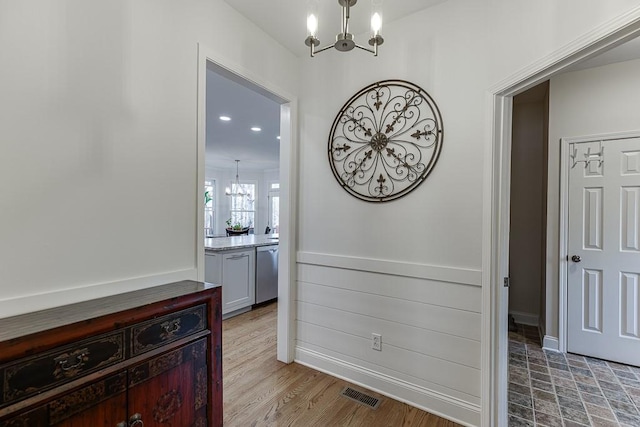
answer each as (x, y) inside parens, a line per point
(136, 420)
(171, 327)
(238, 256)
(70, 362)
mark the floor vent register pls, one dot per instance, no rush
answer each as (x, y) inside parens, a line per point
(361, 398)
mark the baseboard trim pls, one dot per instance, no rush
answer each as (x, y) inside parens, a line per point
(523, 318)
(550, 343)
(541, 329)
(35, 302)
(448, 407)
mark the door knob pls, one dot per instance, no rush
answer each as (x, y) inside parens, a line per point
(576, 258)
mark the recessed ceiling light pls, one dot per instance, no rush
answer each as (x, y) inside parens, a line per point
(225, 118)
(278, 136)
(256, 129)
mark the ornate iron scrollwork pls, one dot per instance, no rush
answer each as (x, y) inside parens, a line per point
(385, 141)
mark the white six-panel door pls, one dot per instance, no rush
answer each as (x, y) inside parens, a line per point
(603, 277)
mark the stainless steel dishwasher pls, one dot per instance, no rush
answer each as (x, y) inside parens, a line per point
(266, 273)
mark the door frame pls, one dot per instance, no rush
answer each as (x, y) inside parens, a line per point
(563, 280)
(288, 185)
(496, 197)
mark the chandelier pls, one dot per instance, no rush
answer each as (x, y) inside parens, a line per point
(344, 39)
(238, 190)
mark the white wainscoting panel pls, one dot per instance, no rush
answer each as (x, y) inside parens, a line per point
(430, 329)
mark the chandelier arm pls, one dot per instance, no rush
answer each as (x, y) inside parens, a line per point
(323, 49)
(367, 49)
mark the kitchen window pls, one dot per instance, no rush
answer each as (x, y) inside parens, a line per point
(209, 207)
(274, 207)
(243, 207)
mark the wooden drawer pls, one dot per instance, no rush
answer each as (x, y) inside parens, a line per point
(157, 332)
(37, 417)
(33, 375)
(72, 404)
(87, 397)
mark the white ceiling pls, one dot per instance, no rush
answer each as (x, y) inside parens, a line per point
(286, 20)
(228, 141)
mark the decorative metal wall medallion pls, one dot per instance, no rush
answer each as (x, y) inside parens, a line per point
(385, 141)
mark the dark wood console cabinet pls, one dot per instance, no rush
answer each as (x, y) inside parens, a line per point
(148, 358)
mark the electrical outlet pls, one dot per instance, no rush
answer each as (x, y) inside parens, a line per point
(376, 342)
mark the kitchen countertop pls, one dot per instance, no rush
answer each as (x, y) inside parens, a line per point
(238, 242)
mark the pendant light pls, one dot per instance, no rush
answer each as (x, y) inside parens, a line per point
(239, 189)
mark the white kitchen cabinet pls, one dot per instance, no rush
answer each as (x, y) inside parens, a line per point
(213, 267)
(235, 270)
(231, 262)
(238, 279)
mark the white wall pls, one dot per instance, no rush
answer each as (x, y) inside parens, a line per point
(587, 102)
(98, 140)
(399, 268)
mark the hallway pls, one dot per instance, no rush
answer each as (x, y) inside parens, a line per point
(553, 389)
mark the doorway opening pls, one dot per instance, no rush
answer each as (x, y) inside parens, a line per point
(528, 208)
(253, 208)
(498, 188)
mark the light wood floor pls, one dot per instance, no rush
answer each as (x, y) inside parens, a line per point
(260, 391)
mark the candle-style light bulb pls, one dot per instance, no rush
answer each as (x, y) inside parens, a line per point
(376, 23)
(312, 25)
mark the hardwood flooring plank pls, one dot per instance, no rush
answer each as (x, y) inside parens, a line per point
(260, 391)
(312, 405)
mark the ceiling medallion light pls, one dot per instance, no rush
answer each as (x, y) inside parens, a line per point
(344, 39)
(239, 189)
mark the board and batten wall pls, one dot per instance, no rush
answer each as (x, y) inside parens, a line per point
(410, 269)
(428, 317)
(98, 158)
(594, 101)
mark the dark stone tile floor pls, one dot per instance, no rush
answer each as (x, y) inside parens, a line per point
(550, 389)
